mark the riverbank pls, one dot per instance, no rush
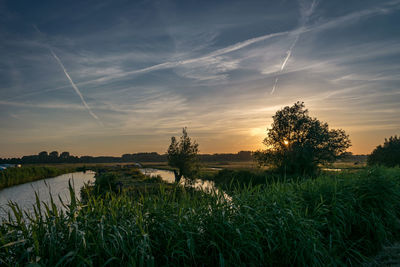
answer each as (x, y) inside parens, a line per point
(15, 176)
(339, 219)
(51, 191)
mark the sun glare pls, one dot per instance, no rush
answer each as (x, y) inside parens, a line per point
(286, 142)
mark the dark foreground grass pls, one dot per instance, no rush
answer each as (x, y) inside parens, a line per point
(332, 220)
(14, 176)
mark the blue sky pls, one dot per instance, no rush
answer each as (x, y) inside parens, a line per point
(114, 77)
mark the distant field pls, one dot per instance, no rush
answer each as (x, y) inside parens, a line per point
(208, 166)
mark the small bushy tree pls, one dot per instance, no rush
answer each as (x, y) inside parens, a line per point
(386, 155)
(182, 156)
(298, 143)
(105, 181)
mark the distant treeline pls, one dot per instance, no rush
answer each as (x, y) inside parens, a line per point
(65, 157)
(350, 157)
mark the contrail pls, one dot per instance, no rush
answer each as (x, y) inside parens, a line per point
(273, 88)
(76, 88)
(77, 91)
(173, 64)
(288, 54)
(304, 17)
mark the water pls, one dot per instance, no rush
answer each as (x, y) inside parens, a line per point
(24, 194)
(169, 176)
(331, 169)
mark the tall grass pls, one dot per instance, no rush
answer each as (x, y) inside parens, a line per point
(332, 220)
(15, 176)
(228, 179)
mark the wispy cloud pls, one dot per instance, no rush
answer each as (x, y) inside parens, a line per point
(380, 9)
(204, 60)
(199, 68)
(76, 89)
(305, 14)
(42, 105)
(78, 92)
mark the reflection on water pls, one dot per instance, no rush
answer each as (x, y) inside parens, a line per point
(331, 169)
(24, 194)
(169, 176)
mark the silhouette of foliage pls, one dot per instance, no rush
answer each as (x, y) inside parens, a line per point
(105, 181)
(182, 155)
(298, 143)
(65, 157)
(388, 154)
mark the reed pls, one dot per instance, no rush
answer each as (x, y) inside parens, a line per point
(15, 176)
(340, 219)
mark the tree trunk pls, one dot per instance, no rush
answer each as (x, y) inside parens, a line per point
(178, 176)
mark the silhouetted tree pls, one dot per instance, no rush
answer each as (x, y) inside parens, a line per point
(64, 156)
(43, 156)
(297, 143)
(182, 155)
(53, 156)
(386, 155)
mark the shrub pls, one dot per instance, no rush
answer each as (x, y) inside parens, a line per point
(387, 155)
(105, 181)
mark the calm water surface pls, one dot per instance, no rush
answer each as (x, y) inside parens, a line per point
(24, 194)
(169, 177)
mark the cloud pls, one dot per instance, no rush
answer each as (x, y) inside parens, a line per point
(42, 105)
(197, 61)
(380, 9)
(76, 88)
(305, 14)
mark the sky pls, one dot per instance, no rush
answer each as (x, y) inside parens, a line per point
(115, 77)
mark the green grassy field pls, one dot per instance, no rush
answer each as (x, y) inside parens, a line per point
(334, 219)
(14, 176)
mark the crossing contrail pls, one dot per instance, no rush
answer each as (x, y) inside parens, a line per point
(304, 17)
(76, 89)
(288, 54)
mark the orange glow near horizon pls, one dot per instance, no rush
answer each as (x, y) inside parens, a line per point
(286, 142)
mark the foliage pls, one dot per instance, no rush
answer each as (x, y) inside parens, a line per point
(182, 155)
(329, 221)
(105, 181)
(65, 157)
(14, 176)
(297, 143)
(386, 155)
(231, 179)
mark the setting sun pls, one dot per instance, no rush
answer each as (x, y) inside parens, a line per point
(286, 142)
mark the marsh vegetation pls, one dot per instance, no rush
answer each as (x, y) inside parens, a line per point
(337, 219)
(14, 176)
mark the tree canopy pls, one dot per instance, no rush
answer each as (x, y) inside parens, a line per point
(298, 143)
(182, 155)
(388, 154)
